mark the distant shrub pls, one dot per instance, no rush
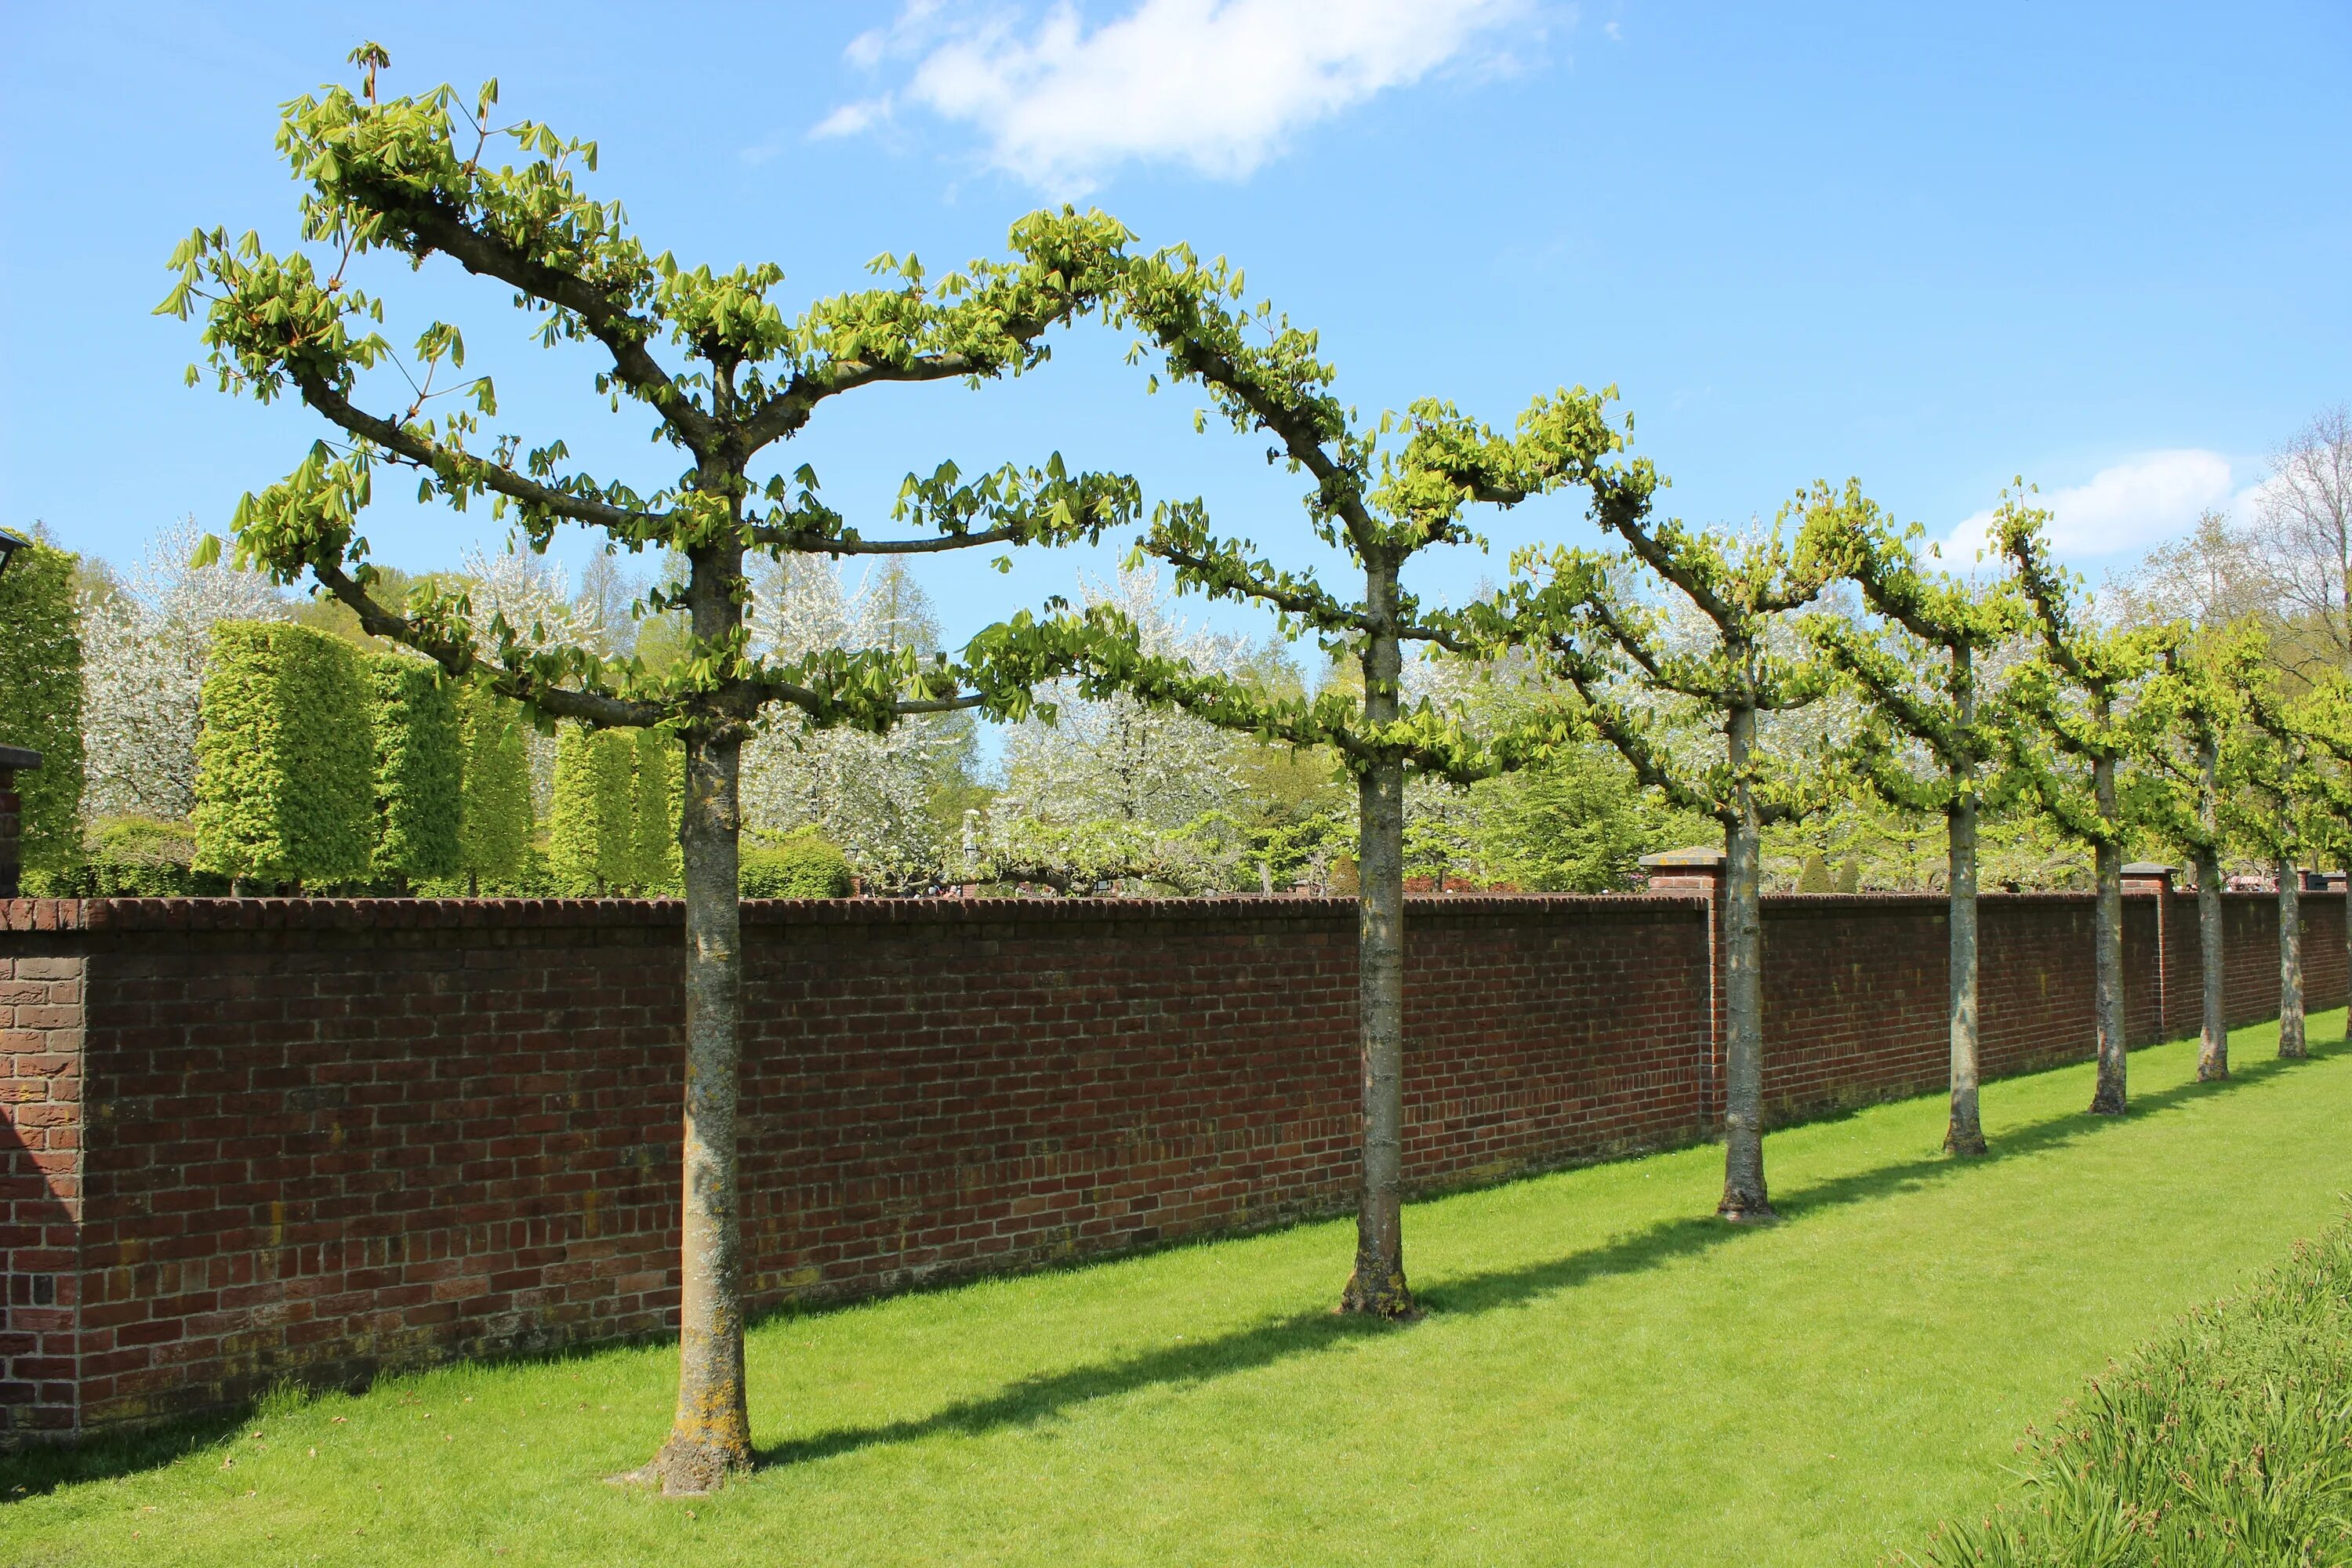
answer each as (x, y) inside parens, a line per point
(419, 770)
(286, 760)
(804, 866)
(146, 857)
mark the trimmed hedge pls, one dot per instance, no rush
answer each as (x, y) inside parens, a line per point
(803, 865)
(494, 819)
(419, 769)
(40, 702)
(590, 837)
(141, 857)
(285, 758)
(656, 867)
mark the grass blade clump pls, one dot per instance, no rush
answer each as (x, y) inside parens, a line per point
(2227, 1439)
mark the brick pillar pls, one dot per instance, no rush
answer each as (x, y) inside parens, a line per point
(12, 760)
(2151, 877)
(1700, 871)
(41, 1002)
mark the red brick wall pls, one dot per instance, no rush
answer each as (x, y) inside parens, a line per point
(41, 1000)
(326, 1138)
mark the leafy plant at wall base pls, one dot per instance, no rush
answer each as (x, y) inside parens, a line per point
(285, 762)
(40, 702)
(419, 769)
(2227, 1439)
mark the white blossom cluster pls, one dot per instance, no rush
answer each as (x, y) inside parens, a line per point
(143, 653)
(870, 795)
(1115, 759)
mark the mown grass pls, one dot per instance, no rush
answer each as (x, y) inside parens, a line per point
(1606, 1375)
(2225, 1440)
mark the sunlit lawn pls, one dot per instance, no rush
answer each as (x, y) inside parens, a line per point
(1607, 1375)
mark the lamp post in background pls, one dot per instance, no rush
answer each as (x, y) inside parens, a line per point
(12, 760)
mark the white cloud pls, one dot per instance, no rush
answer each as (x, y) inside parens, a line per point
(853, 117)
(1216, 86)
(2131, 505)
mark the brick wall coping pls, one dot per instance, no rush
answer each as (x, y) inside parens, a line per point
(30, 915)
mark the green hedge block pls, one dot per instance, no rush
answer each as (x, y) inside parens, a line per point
(286, 758)
(40, 702)
(494, 812)
(419, 769)
(804, 866)
(655, 803)
(591, 841)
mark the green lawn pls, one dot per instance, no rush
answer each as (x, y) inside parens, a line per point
(1606, 1375)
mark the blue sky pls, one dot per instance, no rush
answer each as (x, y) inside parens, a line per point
(2104, 247)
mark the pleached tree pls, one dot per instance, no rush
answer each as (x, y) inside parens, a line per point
(2326, 714)
(723, 374)
(2267, 796)
(1920, 670)
(2190, 718)
(1379, 505)
(1589, 617)
(2077, 694)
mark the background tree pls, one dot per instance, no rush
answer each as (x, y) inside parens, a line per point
(883, 798)
(1920, 672)
(414, 177)
(2075, 694)
(1380, 507)
(1590, 612)
(2303, 521)
(41, 703)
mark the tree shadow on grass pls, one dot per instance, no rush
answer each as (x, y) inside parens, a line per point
(1035, 1400)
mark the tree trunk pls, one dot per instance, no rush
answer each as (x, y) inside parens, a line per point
(1378, 1285)
(2292, 1045)
(710, 1438)
(2213, 1038)
(2108, 934)
(1744, 1196)
(1965, 1134)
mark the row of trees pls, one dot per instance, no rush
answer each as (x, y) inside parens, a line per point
(1687, 652)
